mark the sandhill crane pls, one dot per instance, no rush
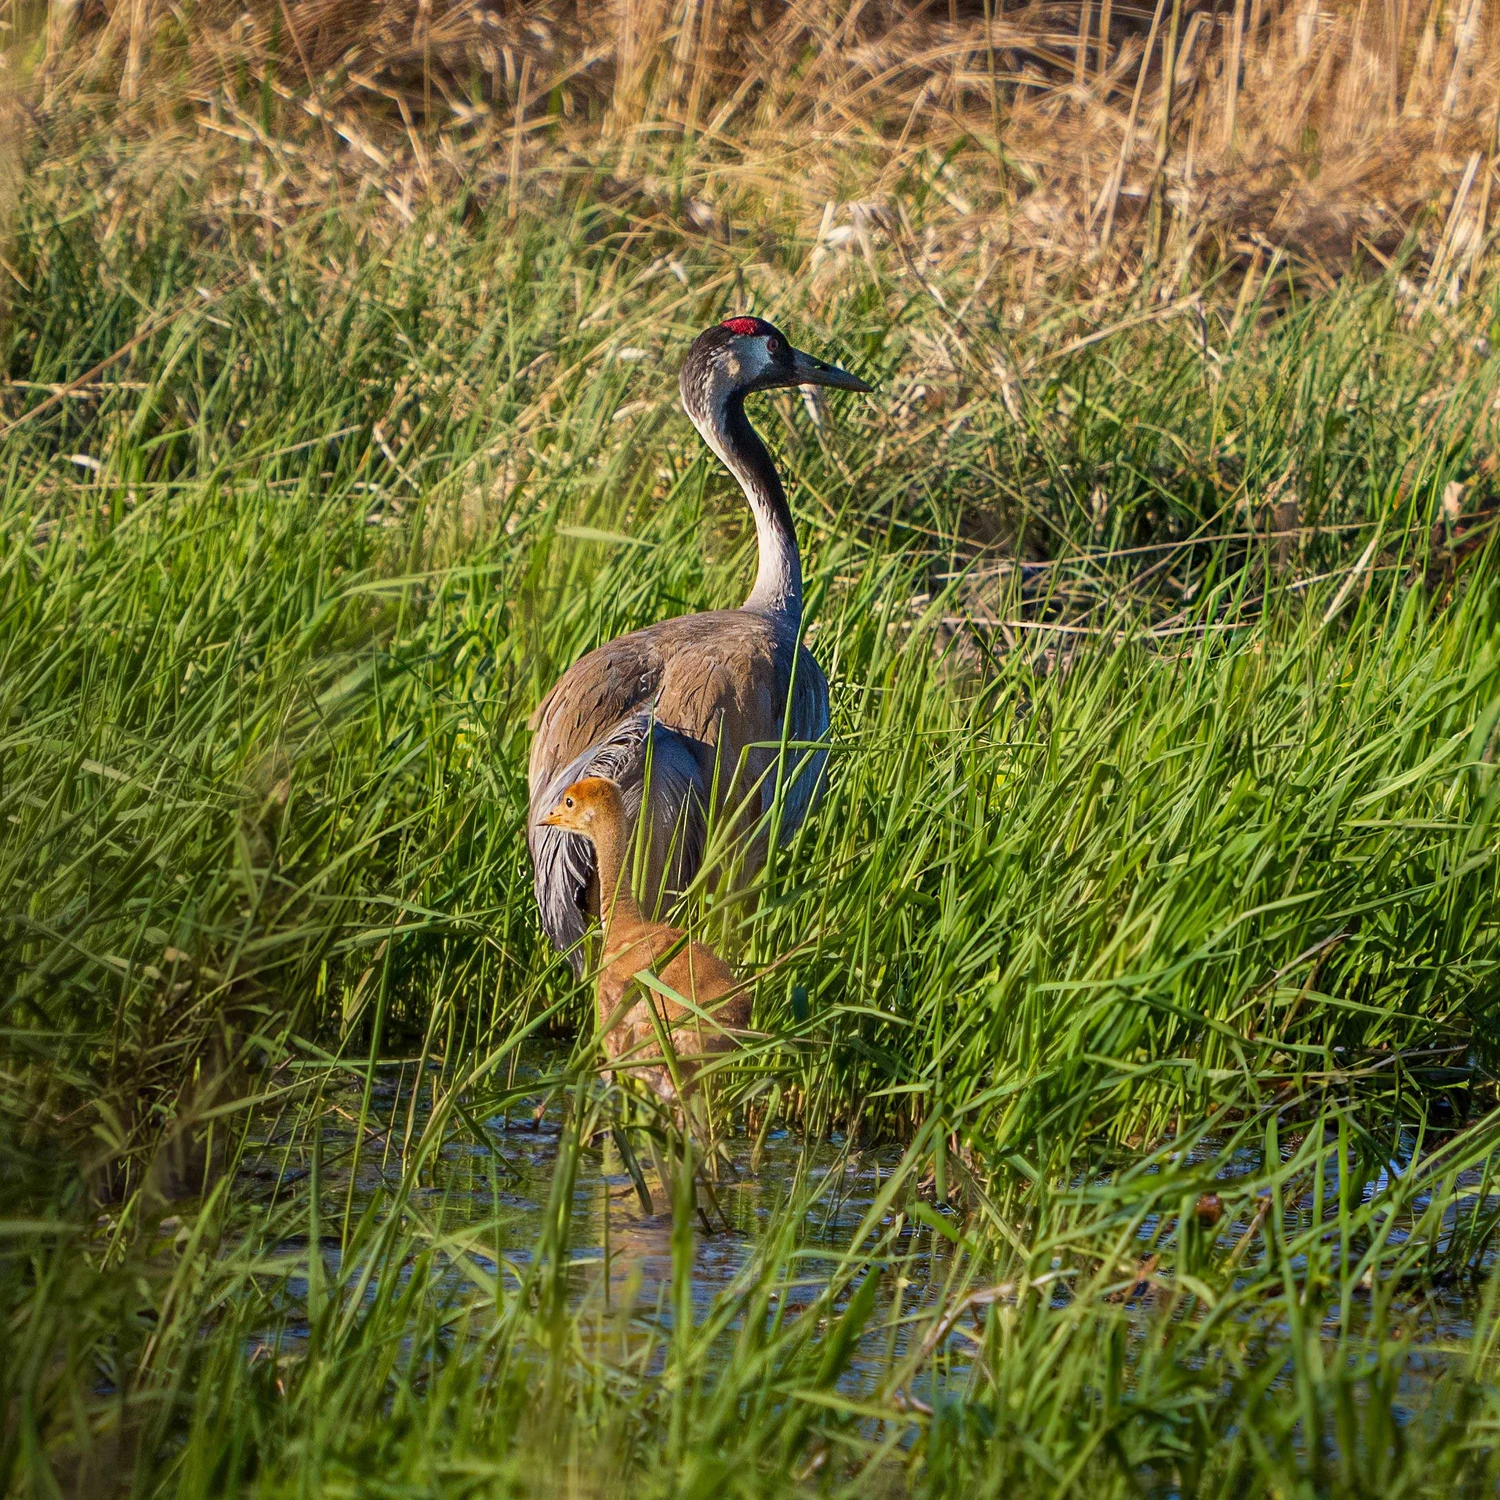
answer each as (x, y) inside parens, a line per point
(594, 809)
(699, 694)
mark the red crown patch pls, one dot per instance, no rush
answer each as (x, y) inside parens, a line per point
(745, 325)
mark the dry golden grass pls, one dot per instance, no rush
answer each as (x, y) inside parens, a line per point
(1044, 136)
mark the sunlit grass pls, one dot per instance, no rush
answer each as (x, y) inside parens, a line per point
(1135, 867)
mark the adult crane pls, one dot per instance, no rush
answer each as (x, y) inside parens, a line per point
(693, 710)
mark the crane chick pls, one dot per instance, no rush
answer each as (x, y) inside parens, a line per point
(594, 808)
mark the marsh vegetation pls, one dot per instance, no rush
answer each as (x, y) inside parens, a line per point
(1119, 1112)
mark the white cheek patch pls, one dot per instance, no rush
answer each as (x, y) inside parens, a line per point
(751, 357)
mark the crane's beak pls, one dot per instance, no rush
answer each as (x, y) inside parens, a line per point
(810, 371)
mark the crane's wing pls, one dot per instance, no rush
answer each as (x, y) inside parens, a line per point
(807, 723)
(651, 764)
(590, 701)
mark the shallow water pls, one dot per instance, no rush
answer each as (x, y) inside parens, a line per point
(496, 1181)
(501, 1190)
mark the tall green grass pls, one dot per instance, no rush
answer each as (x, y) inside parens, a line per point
(1086, 910)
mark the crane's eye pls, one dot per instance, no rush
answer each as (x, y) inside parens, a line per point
(772, 345)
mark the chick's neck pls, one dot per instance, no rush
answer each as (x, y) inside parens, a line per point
(617, 905)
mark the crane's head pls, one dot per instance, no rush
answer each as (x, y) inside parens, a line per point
(587, 806)
(747, 354)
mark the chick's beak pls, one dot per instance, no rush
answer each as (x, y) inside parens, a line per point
(550, 821)
(810, 371)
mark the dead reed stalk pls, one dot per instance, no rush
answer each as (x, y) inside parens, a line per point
(1286, 128)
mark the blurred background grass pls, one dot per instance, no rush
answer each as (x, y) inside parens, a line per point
(1149, 925)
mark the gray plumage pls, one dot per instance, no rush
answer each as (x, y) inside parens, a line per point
(693, 709)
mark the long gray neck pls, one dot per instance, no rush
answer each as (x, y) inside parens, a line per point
(778, 579)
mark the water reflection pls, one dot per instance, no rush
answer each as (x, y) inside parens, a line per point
(494, 1185)
(493, 1196)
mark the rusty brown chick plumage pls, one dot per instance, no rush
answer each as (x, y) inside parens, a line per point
(594, 809)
